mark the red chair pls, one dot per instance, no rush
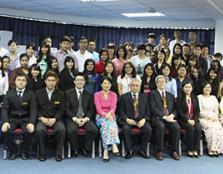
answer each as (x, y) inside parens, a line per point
(18, 141)
(81, 132)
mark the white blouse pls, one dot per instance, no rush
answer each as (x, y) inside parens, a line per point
(4, 83)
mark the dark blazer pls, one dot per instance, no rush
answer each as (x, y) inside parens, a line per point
(21, 108)
(126, 109)
(66, 80)
(182, 109)
(53, 108)
(156, 104)
(72, 104)
(35, 85)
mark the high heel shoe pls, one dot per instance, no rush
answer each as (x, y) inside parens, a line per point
(105, 156)
(190, 154)
(115, 150)
(195, 154)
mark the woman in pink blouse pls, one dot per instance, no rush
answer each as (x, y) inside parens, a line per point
(105, 102)
(120, 60)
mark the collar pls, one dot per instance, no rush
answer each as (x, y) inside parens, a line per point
(77, 90)
(20, 90)
(48, 91)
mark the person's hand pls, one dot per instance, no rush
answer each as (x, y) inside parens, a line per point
(5, 127)
(141, 123)
(30, 127)
(131, 122)
(51, 121)
(44, 120)
(212, 118)
(78, 121)
(109, 116)
(170, 119)
(191, 122)
(83, 121)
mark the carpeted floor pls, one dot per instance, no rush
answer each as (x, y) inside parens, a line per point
(117, 165)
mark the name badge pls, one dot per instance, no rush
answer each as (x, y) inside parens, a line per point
(24, 103)
(56, 102)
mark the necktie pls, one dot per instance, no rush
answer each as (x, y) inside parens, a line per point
(19, 94)
(165, 108)
(135, 105)
(80, 112)
(189, 108)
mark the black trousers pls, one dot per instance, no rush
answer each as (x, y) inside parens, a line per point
(145, 134)
(27, 137)
(193, 135)
(72, 130)
(174, 131)
(60, 133)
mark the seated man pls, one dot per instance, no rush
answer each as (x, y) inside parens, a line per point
(19, 111)
(80, 113)
(164, 116)
(50, 103)
(134, 112)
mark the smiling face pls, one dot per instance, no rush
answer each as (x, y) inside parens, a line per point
(187, 89)
(207, 89)
(106, 85)
(79, 82)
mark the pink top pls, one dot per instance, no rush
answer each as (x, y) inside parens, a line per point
(103, 105)
(118, 65)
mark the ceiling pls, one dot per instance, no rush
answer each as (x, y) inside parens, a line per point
(176, 10)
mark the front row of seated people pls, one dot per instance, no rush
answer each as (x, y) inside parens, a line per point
(66, 112)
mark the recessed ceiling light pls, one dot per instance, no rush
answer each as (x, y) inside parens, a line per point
(146, 14)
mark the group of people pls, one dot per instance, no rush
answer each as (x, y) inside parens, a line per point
(151, 88)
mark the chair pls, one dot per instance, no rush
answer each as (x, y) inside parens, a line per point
(81, 132)
(183, 131)
(18, 141)
(50, 132)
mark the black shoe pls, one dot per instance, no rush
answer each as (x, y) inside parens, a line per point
(87, 154)
(105, 160)
(129, 155)
(75, 154)
(59, 158)
(143, 154)
(12, 156)
(42, 158)
(25, 156)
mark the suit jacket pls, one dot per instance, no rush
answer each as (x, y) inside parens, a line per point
(182, 109)
(126, 109)
(66, 80)
(156, 104)
(72, 104)
(23, 108)
(53, 108)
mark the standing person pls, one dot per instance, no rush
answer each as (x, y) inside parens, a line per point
(63, 52)
(19, 111)
(35, 81)
(4, 82)
(120, 59)
(100, 65)
(30, 51)
(82, 54)
(106, 103)
(44, 57)
(67, 75)
(92, 48)
(13, 54)
(80, 113)
(51, 104)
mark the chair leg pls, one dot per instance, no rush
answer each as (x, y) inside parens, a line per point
(100, 148)
(201, 147)
(93, 150)
(123, 149)
(68, 150)
(148, 149)
(180, 149)
(63, 152)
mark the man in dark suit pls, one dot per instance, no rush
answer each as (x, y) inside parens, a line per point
(134, 112)
(50, 103)
(164, 115)
(79, 113)
(19, 111)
